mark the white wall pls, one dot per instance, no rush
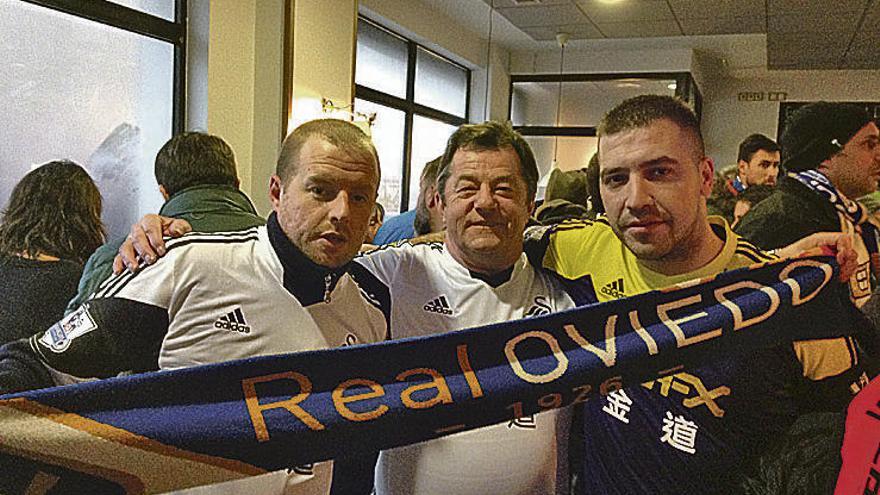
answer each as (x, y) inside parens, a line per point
(323, 51)
(727, 121)
(245, 85)
(267, 98)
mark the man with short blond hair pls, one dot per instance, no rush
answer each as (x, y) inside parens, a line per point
(286, 287)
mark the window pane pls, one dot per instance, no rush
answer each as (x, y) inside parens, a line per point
(158, 8)
(381, 60)
(387, 134)
(583, 103)
(72, 88)
(440, 84)
(429, 141)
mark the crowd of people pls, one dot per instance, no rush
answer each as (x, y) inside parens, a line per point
(326, 269)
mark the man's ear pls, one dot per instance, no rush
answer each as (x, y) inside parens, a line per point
(707, 176)
(275, 192)
(432, 198)
(437, 204)
(826, 163)
(164, 192)
(741, 167)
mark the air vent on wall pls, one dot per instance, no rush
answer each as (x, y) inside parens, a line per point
(526, 2)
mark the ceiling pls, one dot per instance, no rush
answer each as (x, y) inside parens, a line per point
(800, 34)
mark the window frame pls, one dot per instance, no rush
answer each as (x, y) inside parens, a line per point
(685, 88)
(135, 21)
(408, 104)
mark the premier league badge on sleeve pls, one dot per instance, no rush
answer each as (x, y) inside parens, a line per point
(59, 336)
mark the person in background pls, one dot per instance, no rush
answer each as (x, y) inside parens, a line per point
(429, 212)
(832, 154)
(376, 220)
(747, 199)
(757, 163)
(51, 225)
(196, 174)
(722, 200)
(566, 197)
(424, 219)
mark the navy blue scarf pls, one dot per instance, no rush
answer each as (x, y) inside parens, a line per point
(167, 430)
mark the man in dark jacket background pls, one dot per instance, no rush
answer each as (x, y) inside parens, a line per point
(197, 176)
(831, 152)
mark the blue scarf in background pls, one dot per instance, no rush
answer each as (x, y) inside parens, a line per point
(848, 210)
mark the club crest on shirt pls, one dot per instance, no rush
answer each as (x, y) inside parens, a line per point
(539, 308)
(59, 336)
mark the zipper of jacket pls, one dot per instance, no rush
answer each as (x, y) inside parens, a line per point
(328, 281)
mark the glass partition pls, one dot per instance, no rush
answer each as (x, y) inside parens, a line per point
(585, 98)
(381, 60)
(418, 95)
(387, 135)
(583, 102)
(74, 88)
(439, 84)
(158, 8)
(429, 142)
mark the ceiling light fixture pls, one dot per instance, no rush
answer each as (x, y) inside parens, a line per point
(488, 61)
(562, 39)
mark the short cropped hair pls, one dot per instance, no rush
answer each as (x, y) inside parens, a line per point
(340, 133)
(379, 211)
(490, 135)
(54, 210)
(428, 179)
(593, 188)
(194, 159)
(752, 144)
(644, 110)
(429, 173)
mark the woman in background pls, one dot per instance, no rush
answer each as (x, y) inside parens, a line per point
(48, 230)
